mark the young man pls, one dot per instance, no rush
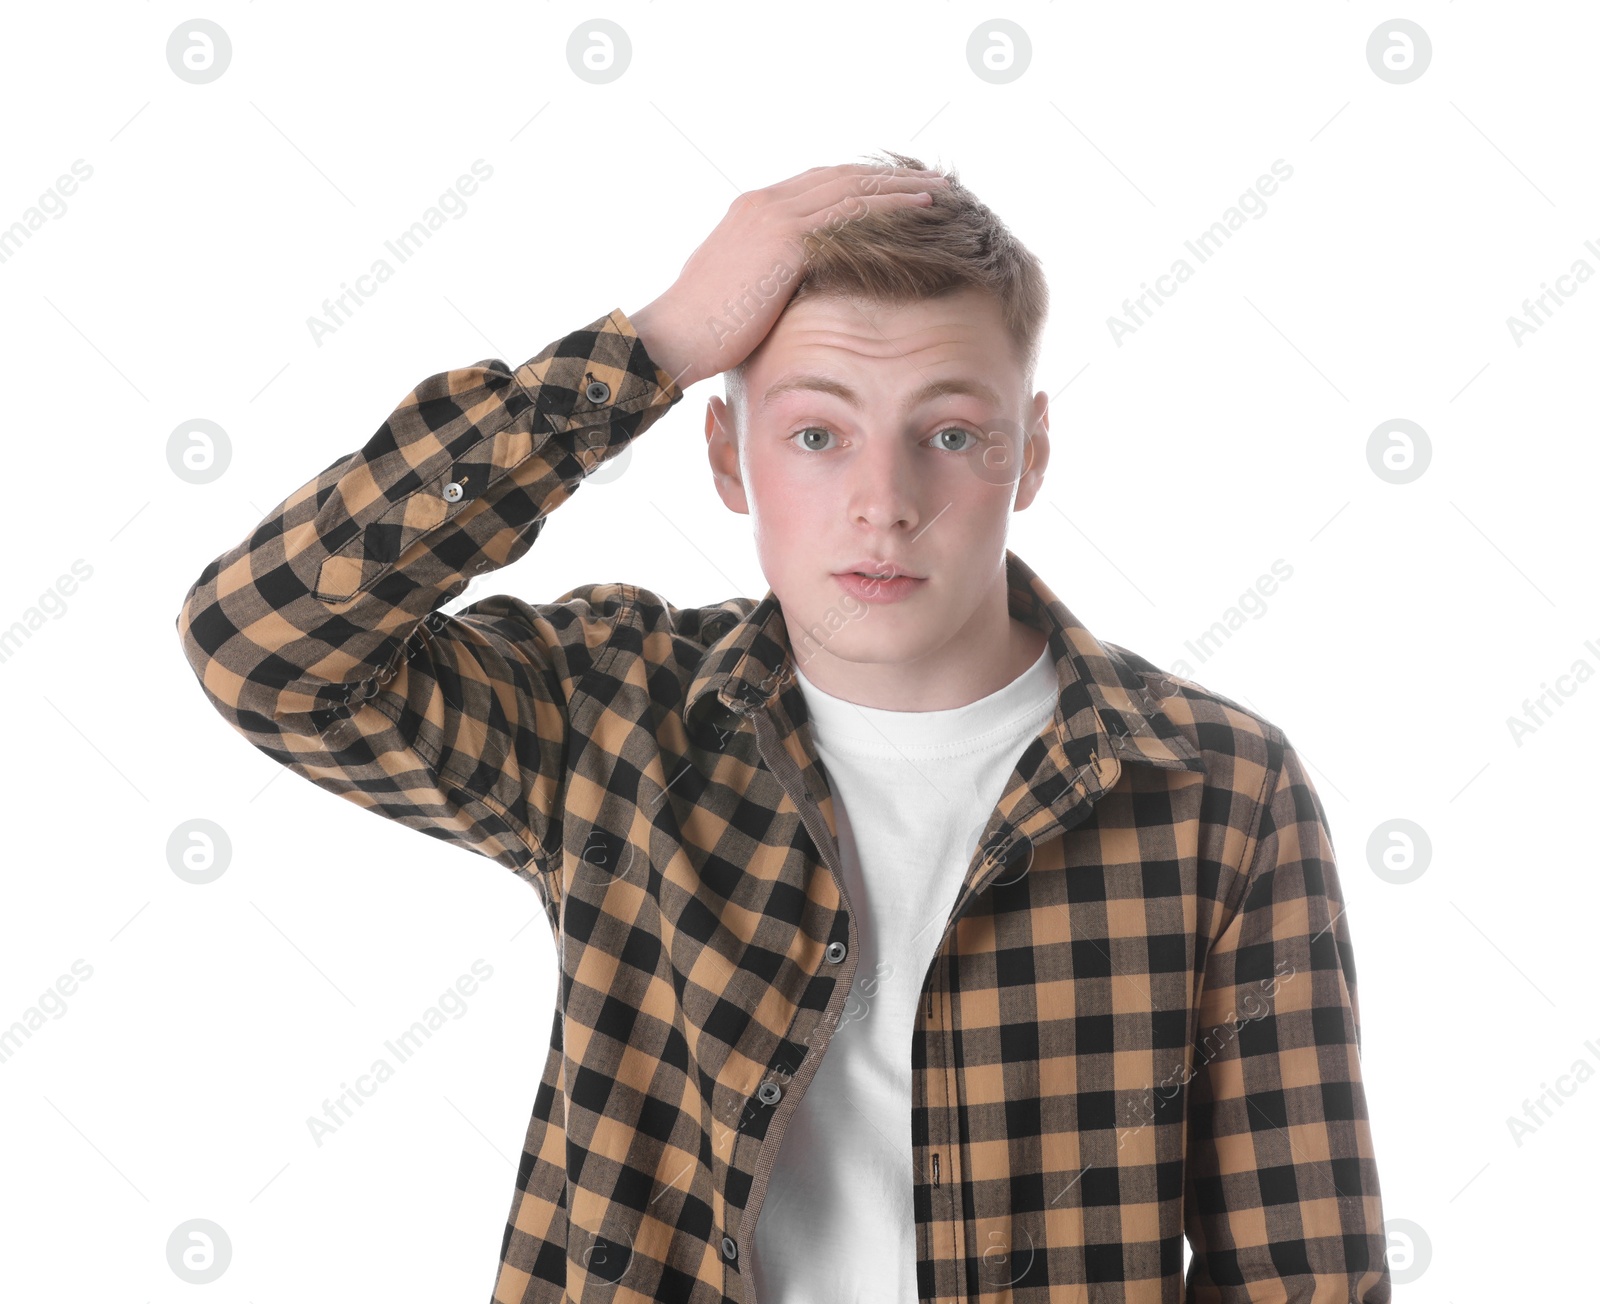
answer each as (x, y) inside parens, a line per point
(915, 943)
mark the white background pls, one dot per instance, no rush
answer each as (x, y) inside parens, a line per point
(1228, 432)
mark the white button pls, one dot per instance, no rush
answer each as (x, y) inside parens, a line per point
(835, 952)
(770, 1093)
(453, 492)
(597, 391)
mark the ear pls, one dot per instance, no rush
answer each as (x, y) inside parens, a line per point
(1038, 453)
(722, 451)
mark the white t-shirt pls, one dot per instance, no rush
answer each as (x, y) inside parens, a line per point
(912, 792)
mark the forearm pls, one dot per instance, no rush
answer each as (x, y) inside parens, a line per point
(319, 595)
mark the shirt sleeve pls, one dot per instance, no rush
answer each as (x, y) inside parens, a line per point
(1281, 1184)
(317, 637)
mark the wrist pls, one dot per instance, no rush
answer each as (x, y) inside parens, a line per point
(661, 340)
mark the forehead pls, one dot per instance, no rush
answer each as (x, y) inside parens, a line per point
(898, 351)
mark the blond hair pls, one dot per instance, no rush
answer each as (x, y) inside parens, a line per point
(908, 253)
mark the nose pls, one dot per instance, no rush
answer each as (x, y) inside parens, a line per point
(883, 488)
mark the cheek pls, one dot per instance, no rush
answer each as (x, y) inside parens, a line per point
(782, 510)
(983, 505)
(792, 503)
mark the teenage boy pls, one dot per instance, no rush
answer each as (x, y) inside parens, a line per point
(915, 943)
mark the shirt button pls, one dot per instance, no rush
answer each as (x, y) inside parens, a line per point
(729, 1249)
(770, 1093)
(453, 492)
(597, 391)
(835, 952)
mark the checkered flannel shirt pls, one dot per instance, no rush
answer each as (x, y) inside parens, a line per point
(1141, 1020)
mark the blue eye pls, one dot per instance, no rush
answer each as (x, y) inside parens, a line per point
(957, 430)
(808, 429)
(948, 430)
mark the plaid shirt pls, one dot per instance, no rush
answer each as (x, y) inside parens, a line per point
(1141, 1019)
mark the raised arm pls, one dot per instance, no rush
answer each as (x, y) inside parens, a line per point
(318, 637)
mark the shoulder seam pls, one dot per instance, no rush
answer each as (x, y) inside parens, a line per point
(627, 608)
(1272, 736)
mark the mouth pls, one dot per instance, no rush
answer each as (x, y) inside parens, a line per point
(868, 571)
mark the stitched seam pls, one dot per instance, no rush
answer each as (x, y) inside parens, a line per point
(626, 611)
(1269, 783)
(953, 1140)
(541, 863)
(460, 782)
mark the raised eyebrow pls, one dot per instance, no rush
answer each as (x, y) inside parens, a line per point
(821, 384)
(955, 385)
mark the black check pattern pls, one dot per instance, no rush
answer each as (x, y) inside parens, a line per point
(1141, 1021)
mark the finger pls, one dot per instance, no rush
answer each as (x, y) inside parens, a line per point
(854, 206)
(830, 193)
(845, 175)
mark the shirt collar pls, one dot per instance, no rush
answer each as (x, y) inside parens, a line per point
(1108, 694)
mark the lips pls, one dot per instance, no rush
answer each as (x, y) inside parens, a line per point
(869, 569)
(866, 588)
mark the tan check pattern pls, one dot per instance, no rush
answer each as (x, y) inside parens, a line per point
(1141, 1021)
